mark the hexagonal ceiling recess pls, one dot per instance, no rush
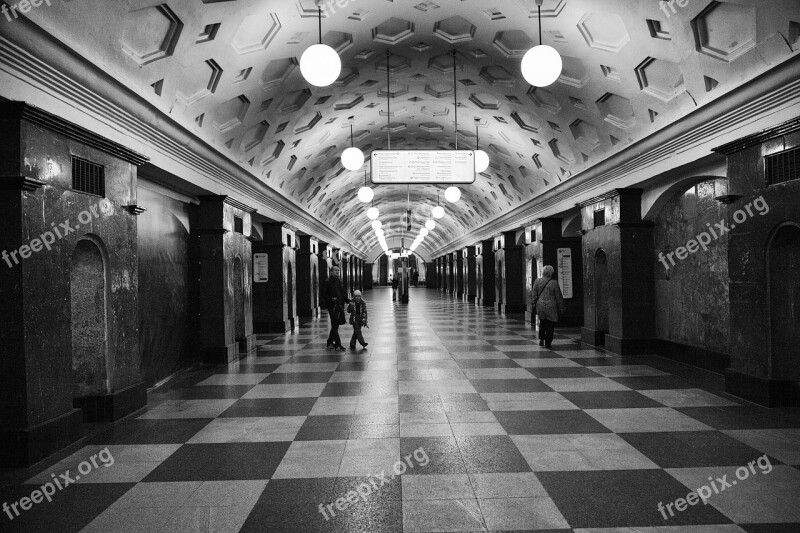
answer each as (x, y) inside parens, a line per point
(228, 71)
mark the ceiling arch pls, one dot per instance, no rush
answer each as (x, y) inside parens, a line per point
(228, 72)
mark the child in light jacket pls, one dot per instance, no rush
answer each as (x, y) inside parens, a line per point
(358, 319)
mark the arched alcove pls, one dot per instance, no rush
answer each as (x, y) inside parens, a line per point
(89, 319)
(783, 267)
(601, 292)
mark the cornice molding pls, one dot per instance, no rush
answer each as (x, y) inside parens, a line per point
(20, 183)
(790, 126)
(31, 55)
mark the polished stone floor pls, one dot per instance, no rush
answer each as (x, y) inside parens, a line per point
(453, 419)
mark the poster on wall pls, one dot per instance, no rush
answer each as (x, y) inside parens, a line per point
(565, 271)
(260, 268)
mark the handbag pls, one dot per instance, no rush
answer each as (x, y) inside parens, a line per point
(337, 314)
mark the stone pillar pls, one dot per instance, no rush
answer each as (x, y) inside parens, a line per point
(383, 266)
(430, 275)
(509, 264)
(344, 265)
(274, 301)
(324, 259)
(307, 278)
(547, 246)
(487, 268)
(368, 276)
(451, 278)
(470, 280)
(618, 273)
(458, 261)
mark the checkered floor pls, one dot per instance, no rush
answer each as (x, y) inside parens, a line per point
(509, 436)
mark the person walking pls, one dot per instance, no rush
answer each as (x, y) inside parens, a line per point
(394, 288)
(335, 300)
(548, 303)
(358, 319)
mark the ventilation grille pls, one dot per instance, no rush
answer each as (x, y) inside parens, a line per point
(599, 218)
(783, 166)
(88, 177)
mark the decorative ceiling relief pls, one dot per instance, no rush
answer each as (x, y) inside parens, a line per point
(228, 72)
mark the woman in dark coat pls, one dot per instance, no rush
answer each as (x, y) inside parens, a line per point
(334, 296)
(549, 303)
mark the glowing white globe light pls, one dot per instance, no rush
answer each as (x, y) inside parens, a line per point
(424, 232)
(541, 66)
(481, 161)
(430, 224)
(373, 213)
(352, 158)
(452, 194)
(379, 233)
(320, 65)
(377, 224)
(438, 211)
(365, 194)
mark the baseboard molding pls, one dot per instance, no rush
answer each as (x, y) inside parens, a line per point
(20, 448)
(763, 391)
(112, 406)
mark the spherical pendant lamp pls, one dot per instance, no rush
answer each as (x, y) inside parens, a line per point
(320, 65)
(452, 194)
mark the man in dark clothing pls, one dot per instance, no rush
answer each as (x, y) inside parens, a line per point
(394, 288)
(334, 295)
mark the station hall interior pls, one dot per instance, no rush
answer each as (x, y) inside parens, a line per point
(180, 178)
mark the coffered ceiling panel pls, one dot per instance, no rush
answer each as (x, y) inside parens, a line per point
(228, 71)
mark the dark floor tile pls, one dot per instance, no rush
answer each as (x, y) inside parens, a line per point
(292, 491)
(374, 431)
(420, 403)
(563, 372)
(610, 400)
(216, 462)
(739, 417)
(297, 377)
(570, 348)
(471, 348)
(690, 449)
(133, 431)
(491, 454)
(270, 407)
(289, 518)
(655, 382)
(509, 385)
(604, 361)
(622, 498)
(548, 422)
(70, 510)
(487, 363)
(352, 367)
(332, 357)
(431, 445)
(367, 516)
(342, 389)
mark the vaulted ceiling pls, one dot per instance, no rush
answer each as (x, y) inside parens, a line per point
(227, 70)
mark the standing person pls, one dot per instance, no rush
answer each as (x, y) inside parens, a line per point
(549, 303)
(335, 300)
(358, 319)
(394, 288)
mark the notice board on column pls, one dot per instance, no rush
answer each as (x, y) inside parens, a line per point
(565, 271)
(260, 268)
(392, 167)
